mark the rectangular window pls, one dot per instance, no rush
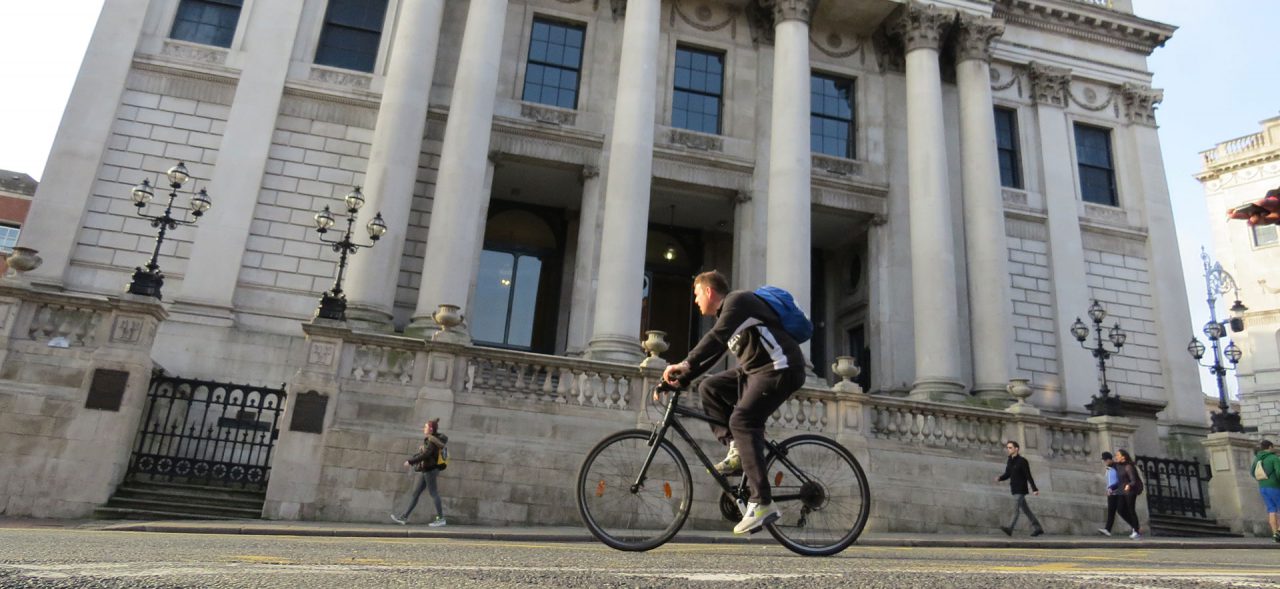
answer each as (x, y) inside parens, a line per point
(351, 33)
(208, 22)
(1007, 147)
(555, 63)
(699, 84)
(1264, 235)
(8, 238)
(1093, 156)
(507, 291)
(831, 128)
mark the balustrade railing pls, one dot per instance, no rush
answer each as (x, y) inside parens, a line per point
(1235, 148)
(551, 379)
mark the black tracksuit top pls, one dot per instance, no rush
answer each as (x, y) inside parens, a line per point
(1018, 471)
(750, 328)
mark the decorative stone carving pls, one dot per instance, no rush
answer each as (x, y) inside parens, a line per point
(545, 114)
(195, 53)
(619, 8)
(760, 22)
(698, 141)
(338, 78)
(922, 26)
(975, 36)
(127, 330)
(588, 172)
(701, 17)
(1014, 197)
(831, 46)
(836, 166)
(1140, 103)
(783, 10)
(74, 325)
(1049, 84)
(322, 353)
(1105, 214)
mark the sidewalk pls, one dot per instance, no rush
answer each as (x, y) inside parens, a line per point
(580, 534)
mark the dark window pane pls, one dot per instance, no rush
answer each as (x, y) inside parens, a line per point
(555, 61)
(523, 300)
(209, 22)
(1007, 147)
(699, 84)
(831, 116)
(351, 34)
(1093, 155)
(493, 296)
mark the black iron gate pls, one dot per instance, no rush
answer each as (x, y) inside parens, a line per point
(208, 433)
(1175, 487)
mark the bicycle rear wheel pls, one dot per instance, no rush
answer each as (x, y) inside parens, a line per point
(822, 492)
(633, 519)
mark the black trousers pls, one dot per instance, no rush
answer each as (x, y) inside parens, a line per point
(1113, 505)
(746, 414)
(1129, 511)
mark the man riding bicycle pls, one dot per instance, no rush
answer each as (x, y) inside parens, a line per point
(770, 368)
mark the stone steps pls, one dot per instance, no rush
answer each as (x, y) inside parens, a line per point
(1188, 527)
(147, 500)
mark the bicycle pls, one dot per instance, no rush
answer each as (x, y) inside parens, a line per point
(634, 489)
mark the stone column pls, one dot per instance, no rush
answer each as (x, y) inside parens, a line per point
(392, 171)
(1181, 381)
(586, 262)
(933, 264)
(615, 335)
(78, 148)
(1233, 493)
(789, 242)
(986, 251)
(452, 239)
(221, 236)
(1078, 377)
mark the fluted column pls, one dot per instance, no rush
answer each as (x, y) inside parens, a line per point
(789, 241)
(452, 240)
(78, 148)
(218, 247)
(1077, 374)
(616, 332)
(986, 252)
(933, 263)
(392, 171)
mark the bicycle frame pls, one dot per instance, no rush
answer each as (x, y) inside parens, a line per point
(669, 422)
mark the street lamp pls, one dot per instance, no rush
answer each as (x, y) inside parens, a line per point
(333, 305)
(1218, 282)
(147, 281)
(1104, 403)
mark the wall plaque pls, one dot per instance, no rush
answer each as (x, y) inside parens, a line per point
(308, 413)
(106, 390)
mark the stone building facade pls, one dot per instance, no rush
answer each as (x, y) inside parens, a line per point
(1236, 172)
(946, 186)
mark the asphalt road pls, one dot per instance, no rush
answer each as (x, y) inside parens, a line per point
(41, 558)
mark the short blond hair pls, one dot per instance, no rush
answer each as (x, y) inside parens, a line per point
(714, 280)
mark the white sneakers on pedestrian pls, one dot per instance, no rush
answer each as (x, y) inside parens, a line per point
(1135, 535)
(1104, 531)
(756, 517)
(438, 522)
(400, 520)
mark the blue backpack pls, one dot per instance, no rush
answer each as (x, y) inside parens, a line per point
(793, 319)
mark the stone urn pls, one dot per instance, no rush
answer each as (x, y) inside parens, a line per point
(655, 344)
(448, 316)
(846, 367)
(1020, 389)
(24, 259)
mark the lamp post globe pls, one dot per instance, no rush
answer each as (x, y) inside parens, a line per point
(333, 303)
(148, 280)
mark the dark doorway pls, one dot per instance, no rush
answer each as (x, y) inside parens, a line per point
(673, 257)
(517, 286)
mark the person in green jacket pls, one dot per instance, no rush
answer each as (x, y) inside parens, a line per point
(1266, 463)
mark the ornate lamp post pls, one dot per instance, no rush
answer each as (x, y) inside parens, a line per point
(333, 305)
(1218, 282)
(1104, 403)
(147, 281)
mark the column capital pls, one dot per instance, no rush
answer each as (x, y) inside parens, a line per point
(1049, 84)
(784, 10)
(588, 172)
(975, 35)
(619, 8)
(1140, 103)
(922, 26)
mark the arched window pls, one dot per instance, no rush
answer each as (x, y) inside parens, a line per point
(514, 272)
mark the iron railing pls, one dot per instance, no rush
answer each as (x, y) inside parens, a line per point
(1175, 487)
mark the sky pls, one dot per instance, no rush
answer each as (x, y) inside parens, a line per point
(1219, 75)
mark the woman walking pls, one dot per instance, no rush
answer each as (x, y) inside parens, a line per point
(427, 461)
(1130, 487)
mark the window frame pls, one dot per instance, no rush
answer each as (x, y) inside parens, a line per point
(1018, 182)
(852, 142)
(17, 233)
(1253, 236)
(581, 27)
(1110, 169)
(237, 5)
(325, 26)
(676, 90)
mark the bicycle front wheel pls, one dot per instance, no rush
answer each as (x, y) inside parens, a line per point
(822, 492)
(626, 515)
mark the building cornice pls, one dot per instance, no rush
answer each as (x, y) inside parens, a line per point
(1085, 21)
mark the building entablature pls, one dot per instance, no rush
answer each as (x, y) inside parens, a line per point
(1242, 152)
(1086, 21)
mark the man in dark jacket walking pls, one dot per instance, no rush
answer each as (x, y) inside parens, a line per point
(1018, 472)
(770, 368)
(427, 462)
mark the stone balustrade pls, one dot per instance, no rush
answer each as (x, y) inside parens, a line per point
(551, 379)
(1235, 149)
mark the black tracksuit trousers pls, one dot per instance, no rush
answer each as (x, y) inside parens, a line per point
(762, 394)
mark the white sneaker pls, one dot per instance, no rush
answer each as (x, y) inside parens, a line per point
(1135, 535)
(437, 522)
(757, 517)
(400, 520)
(1104, 531)
(732, 463)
